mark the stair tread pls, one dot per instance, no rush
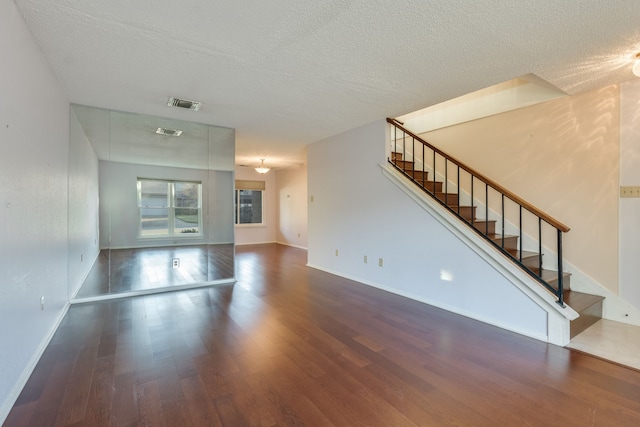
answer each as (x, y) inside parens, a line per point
(580, 301)
(482, 221)
(551, 275)
(525, 254)
(499, 236)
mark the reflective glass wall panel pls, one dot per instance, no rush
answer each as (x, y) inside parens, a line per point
(165, 202)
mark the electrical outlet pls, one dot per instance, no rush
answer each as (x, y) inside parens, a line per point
(336, 252)
(380, 262)
(42, 302)
(365, 259)
(81, 257)
(630, 191)
(176, 263)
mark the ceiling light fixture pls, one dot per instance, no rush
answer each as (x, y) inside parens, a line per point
(262, 169)
(636, 66)
(168, 132)
(183, 103)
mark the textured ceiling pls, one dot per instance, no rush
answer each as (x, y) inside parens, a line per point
(286, 73)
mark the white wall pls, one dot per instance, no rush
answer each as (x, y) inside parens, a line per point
(250, 234)
(119, 213)
(292, 206)
(34, 144)
(355, 210)
(83, 205)
(629, 222)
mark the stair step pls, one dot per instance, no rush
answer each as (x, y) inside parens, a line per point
(551, 277)
(448, 198)
(404, 164)
(396, 156)
(419, 175)
(466, 212)
(530, 259)
(486, 227)
(588, 306)
(430, 185)
(510, 242)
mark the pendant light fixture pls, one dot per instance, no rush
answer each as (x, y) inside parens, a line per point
(262, 168)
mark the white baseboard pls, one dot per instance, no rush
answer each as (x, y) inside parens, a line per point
(254, 243)
(293, 246)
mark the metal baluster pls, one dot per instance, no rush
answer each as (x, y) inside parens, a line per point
(404, 148)
(424, 168)
(560, 275)
(486, 209)
(473, 217)
(520, 238)
(458, 178)
(503, 221)
(446, 181)
(413, 156)
(395, 140)
(434, 173)
(539, 246)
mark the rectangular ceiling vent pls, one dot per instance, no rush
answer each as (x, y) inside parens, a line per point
(168, 132)
(183, 103)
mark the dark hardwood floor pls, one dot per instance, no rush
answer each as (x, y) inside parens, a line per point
(290, 345)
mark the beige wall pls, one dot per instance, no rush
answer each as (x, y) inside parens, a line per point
(292, 206)
(562, 156)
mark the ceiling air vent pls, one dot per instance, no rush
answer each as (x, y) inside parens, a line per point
(168, 132)
(183, 103)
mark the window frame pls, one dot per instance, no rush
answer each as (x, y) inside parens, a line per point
(171, 210)
(250, 186)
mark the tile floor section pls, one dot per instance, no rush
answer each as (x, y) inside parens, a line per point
(614, 341)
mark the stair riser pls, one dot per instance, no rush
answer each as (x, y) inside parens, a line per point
(429, 185)
(510, 243)
(532, 263)
(448, 198)
(466, 212)
(587, 318)
(419, 175)
(404, 165)
(485, 228)
(553, 282)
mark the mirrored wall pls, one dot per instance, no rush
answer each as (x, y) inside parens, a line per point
(160, 214)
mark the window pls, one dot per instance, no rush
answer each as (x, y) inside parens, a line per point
(169, 208)
(248, 202)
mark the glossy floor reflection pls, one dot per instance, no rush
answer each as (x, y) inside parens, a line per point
(128, 270)
(611, 340)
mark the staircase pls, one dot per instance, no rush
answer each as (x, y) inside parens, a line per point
(589, 307)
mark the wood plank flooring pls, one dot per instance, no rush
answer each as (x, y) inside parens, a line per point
(291, 346)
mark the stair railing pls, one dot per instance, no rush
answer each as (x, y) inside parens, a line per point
(435, 161)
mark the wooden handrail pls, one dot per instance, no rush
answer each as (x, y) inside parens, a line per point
(531, 208)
